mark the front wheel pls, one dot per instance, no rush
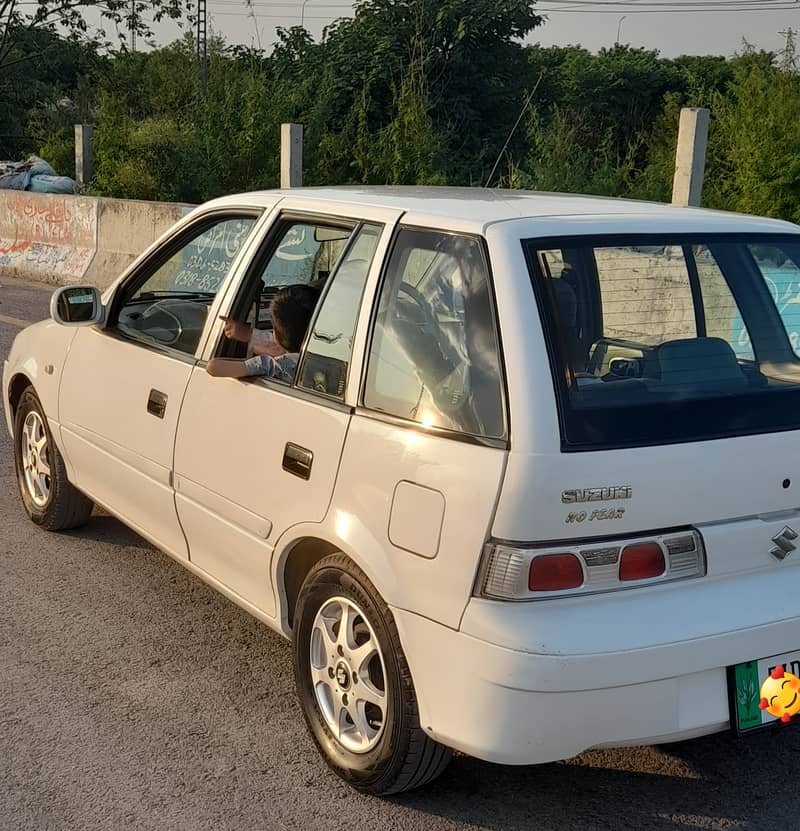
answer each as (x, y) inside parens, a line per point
(48, 496)
(355, 686)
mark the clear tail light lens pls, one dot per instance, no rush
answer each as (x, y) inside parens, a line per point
(515, 571)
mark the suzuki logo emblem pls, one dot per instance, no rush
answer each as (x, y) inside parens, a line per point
(784, 542)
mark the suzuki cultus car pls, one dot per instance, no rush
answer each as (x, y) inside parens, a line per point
(530, 486)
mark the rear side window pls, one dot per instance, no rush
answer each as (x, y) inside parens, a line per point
(330, 345)
(305, 253)
(434, 353)
(659, 339)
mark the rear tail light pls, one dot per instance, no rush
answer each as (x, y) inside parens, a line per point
(525, 572)
(641, 561)
(555, 571)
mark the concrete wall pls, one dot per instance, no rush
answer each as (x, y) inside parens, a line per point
(77, 239)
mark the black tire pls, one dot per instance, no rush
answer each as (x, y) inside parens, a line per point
(404, 757)
(64, 506)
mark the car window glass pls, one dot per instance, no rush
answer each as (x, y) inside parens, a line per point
(170, 307)
(434, 355)
(330, 344)
(720, 311)
(306, 253)
(782, 276)
(645, 294)
(689, 338)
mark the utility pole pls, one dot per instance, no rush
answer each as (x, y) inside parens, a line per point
(133, 25)
(790, 50)
(202, 52)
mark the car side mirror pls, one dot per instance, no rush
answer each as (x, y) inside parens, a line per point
(76, 306)
(625, 367)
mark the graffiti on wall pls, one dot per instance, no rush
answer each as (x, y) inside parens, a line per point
(54, 236)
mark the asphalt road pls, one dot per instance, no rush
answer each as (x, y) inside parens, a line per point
(133, 696)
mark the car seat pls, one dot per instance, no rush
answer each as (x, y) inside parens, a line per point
(708, 363)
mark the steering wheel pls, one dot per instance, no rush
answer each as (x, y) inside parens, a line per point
(450, 390)
(422, 304)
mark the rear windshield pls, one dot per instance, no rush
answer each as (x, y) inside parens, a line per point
(663, 339)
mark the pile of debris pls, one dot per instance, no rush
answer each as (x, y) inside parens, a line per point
(34, 174)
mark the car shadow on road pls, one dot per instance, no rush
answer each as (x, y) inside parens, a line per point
(103, 527)
(718, 782)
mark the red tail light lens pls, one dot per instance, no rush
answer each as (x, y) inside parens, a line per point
(640, 561)
(552, 572)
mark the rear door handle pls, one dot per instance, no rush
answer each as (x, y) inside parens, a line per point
(297, 460)
(157, 403)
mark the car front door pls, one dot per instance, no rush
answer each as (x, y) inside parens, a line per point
(123, 384)
(257, 455)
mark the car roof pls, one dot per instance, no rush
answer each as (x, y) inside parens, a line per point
(481, 207)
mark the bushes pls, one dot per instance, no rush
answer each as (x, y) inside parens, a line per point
(422, 92)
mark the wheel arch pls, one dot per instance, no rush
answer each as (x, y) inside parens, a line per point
(299, 559)
(16, 386)
(303, 550)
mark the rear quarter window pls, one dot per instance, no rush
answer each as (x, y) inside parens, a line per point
(434, 356)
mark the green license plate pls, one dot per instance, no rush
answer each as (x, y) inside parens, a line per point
(744, 684)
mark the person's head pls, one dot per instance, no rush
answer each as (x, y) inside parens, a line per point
(291, 310)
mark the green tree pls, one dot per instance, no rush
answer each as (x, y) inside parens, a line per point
(18, 18)
(754, 140)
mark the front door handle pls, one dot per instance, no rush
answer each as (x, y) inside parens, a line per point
(157, 403)
(297, 460)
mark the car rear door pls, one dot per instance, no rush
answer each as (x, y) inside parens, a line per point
(123, 385)
(256, 456)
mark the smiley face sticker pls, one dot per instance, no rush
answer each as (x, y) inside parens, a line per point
(780, 694)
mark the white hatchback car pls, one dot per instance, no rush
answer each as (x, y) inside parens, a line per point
(532, 489)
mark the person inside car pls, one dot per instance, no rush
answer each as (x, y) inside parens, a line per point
(291, 311)
(260, 341)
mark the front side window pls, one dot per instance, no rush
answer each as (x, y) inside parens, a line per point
(434, 355)
(672, 338)
(169, 305)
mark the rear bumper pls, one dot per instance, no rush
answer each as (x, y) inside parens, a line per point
(517, 707)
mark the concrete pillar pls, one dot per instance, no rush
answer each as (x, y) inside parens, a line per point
(83, 153)
(291, 155)
(690, 158)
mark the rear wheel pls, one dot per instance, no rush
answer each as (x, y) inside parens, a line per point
(47, 494)
(355, 686)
